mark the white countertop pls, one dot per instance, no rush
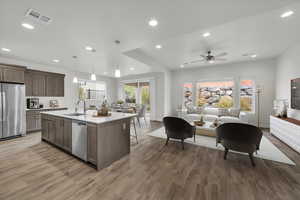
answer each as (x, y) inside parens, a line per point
(89, 118)
(46, 108)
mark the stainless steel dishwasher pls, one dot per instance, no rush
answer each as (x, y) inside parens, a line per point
(79, 139)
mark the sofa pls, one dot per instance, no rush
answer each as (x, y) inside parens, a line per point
(231, 115)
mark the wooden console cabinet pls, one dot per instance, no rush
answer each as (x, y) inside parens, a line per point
(287, 130)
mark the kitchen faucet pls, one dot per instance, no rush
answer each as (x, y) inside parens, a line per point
(77, 105)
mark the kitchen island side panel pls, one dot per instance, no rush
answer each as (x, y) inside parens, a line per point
(113, 142)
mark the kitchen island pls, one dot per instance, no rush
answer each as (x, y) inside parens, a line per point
(97, 140)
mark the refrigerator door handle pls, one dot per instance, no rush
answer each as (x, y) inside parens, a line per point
(1, 114)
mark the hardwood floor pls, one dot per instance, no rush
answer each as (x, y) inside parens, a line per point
(31, 169)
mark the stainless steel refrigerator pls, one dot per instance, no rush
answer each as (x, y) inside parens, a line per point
(12, 110)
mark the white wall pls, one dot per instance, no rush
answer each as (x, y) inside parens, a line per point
(71, 92)
(288, 68)
(262, 71)
(161, 99)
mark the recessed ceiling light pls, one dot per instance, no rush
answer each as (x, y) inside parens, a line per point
(28, 26)
(287, 14)
(253, 56)
(88, 48)
(5, 49)
(153, 22)
(131, 68)
(56, 60)
(207, 34)
(158, 46)
(181, 66)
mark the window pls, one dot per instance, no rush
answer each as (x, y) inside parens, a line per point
(187, 94)
(215, 94)
(92, 90)
(247, 96)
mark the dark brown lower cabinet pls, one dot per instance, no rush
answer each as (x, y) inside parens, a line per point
(45, 129)
(52, 130)
(34, 121)
(67, 140)
(106, 143)
(113, 141)
(92, 143)
(57, 131)
(59, 135)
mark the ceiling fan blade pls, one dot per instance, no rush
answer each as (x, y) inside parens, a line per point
(221, 54)
(196, 61)
(203, 56)
(220, 59)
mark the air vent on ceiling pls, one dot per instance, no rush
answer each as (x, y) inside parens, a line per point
(33, 14)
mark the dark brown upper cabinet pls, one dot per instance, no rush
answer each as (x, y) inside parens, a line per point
(55, 85)
(12, 73)
(40, 83)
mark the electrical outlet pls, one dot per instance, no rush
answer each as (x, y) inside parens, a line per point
(124, 126)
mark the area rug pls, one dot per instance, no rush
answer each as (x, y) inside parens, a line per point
(267, 150)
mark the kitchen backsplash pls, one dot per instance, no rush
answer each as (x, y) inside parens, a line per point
(46, 101)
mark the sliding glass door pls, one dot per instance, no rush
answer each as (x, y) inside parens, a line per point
(137, 92)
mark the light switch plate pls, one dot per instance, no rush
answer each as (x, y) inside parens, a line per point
(124, 126)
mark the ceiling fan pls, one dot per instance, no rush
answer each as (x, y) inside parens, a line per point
(209, 58)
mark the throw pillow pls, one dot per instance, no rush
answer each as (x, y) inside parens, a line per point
(223, 112)
(234, 112)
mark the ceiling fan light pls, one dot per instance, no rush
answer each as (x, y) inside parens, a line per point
(287, 14)
(207, 34)
(117, 73)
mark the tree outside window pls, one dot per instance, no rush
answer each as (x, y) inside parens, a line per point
(130, 92)
(247, 95)
(217, 94)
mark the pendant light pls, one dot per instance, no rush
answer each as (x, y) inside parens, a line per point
(75, 79)
(118, 52)
(117, 73)
(93, 77)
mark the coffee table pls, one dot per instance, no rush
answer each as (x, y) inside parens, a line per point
(206, 129)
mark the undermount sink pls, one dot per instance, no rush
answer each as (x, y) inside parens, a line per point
(74, 114)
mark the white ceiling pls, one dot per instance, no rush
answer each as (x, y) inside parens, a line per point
(266, 35)
(99, 22)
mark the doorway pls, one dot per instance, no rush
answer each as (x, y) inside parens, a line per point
(140, 92)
